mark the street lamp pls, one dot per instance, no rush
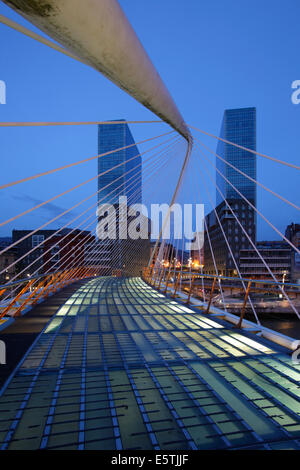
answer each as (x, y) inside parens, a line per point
(284, 273)
(284, 276)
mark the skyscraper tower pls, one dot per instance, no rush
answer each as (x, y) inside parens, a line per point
(120, 255)
(239, 127)
(125, 180)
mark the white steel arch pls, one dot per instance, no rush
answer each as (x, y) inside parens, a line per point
(99, 34)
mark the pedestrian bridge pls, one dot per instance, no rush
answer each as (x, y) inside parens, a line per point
(121, 366)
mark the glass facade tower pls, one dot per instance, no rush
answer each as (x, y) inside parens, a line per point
(238, 126)
(126, 179)
(122, 255)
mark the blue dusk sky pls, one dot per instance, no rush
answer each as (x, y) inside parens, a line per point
(212, 55)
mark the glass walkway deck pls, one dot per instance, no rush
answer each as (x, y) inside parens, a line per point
(120, 366)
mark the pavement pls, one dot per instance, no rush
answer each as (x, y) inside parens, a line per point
(19, 336)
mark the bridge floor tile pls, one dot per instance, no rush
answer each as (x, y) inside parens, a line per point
(120, 366)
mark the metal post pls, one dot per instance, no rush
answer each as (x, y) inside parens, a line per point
(2, 292)
(155, 277)
(63, 280)
(239, 325)
(79, 272)
(22, 291)
(160, 279)
(57, 283)
(211, 294)
(191, 288)
(83, 273)
(33, 293)
(86, 273)
(69, 278)
(73, 277)
(53, 277)
(146, 273)
(177, 284)
(168, 278)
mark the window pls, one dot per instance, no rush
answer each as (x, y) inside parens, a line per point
(37, 239)
(55, 253)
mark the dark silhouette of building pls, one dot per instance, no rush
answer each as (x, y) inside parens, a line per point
(30, 250)
(47, 250)
(292, 233)
(67, 249)
(276, 254)
(6, 259)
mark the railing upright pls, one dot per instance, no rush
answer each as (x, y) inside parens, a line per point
(191, 288)
(177, 284)
(167, 283)
(211, 295)
(15, 300)
(161, 277)
(33, 294)
(239, 325)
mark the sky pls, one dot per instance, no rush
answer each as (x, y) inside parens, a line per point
(212, 55)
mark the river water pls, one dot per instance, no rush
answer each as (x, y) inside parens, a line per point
(287, 327)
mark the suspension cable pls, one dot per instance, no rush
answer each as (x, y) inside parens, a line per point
(228, 246)
(248, 150)
(249, 177)
(249, 238)
(38, 175)
(88, 217)
(94, 243)
(73, 123)
(76, 205)
(250, 204)
(85, 237)
(134, 183)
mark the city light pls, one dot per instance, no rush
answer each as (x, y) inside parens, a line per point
(150, 300)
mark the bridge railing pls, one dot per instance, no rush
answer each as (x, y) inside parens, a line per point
(180, 282)
(25, 293)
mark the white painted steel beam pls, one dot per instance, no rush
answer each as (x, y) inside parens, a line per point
(99, 34)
